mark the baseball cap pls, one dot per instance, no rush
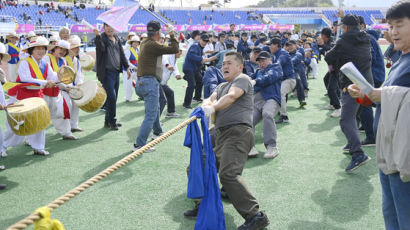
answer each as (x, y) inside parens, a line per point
(351, 20)
(263, 55)
(205, 37)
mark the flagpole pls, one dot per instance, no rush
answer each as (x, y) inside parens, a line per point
(155, 16)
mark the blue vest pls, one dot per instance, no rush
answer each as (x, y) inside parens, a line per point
(14, 55)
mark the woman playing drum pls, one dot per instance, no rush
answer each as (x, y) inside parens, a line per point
(58, 101)
(31, 70)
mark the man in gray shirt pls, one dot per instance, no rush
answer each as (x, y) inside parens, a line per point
(232, 103)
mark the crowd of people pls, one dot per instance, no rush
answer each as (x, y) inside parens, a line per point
(240, 79)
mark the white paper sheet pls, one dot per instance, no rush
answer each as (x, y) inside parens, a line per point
(350, 70)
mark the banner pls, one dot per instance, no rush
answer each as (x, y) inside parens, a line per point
(138, 28)
(198, 27)
(281, 27)
(224, 27)
(24, 28)
(176, 28)
(81, 29)
(381, 26)
(253, 27)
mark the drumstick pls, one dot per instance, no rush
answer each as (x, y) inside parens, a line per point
(13, 105)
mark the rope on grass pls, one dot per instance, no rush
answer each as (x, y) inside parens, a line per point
(24, 223)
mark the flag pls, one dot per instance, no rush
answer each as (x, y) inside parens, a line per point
(120, 14)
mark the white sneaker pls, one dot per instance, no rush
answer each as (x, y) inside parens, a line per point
(2, 167)
(4, 153)
(41, 152)
(271, 153)
(154, 136)
(150, 150)
(253, 152)
(171, 115)
(336, 113)
(329, 107)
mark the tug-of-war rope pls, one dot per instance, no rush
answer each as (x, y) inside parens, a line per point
(24, 223)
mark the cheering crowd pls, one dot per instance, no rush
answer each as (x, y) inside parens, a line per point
(240, 79)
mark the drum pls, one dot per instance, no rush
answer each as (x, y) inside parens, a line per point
(66, 74)
(87, 62)
(93, 98)
(34, 113)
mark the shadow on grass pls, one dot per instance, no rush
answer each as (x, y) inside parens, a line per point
(10, 184)
(348, 200)
(120, 175)
(308, 225)
(340, 139)
(4, 223)
(132, 115)
(21, 156)
(60, 145)
(177, 206)
(326, 124)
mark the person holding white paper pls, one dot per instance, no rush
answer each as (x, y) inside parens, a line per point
(353, 46)
(392, 145)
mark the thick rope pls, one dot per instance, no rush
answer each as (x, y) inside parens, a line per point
(24, 223)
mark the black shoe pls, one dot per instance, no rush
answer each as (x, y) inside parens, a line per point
(118, 124)
(367, 143)
(302, 104)
(357, 161)
(282, 119)
(114, 127)
(361, 129)
(259, 221)
(197, 100)
(191, 214)
(187, 106)
(3, 186)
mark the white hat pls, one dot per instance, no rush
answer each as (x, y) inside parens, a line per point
(39, 41)
(130, 35)
(62, 44)
(134, 39)
(53, 38)
(75, 42)
(144, 35)
(167, 36)
(11, 34)
(162, 35)
(5, 56)
(31, 34)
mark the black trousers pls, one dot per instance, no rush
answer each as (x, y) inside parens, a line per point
(195, 83)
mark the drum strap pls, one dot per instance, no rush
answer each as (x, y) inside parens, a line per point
(54, 63)
(35, 68)
(14, 46)
(70, 62)
(134, 53)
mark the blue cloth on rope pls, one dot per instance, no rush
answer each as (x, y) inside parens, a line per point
(203, 178)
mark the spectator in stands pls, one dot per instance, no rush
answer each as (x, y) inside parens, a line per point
(220, 45)
(288, 79)
(352, 46)
(331, 79)
(392, 149)
(110, 61)
(192, 65)
(150, 76)
(267, 101)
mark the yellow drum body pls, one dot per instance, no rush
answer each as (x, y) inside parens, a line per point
(34, 113)
(94, 96)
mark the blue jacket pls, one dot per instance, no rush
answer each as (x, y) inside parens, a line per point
(378, 68)
(283, 58)
(269, 81)
(193, 60)
(250, 68)
(212, 78)
(298, 65)
(203, 178)
(243, 48)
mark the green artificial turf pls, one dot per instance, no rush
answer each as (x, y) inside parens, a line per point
(304, 188)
